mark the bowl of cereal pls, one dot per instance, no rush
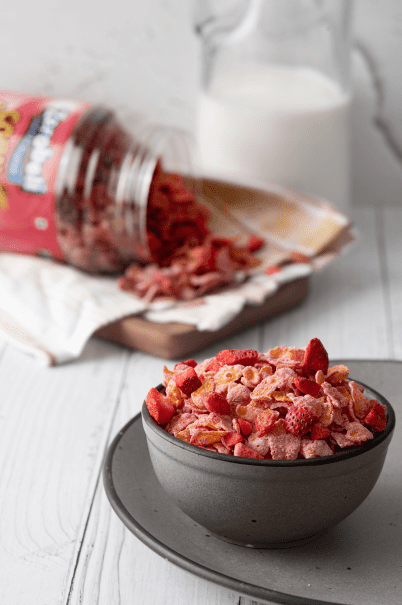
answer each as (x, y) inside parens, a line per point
(266, 450)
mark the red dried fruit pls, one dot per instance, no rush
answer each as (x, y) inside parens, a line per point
(307, 386)
(232, 439)
(244, 357)
(319, 432)
(272, 269)
(245, 426)
(376, 419)
(315, 357)
(159, 406)
(265, 421)
(299, 420)
(189, 362)
(246, 452)
(187, 381)
(216, 403)
(255, 243)
(213, 366)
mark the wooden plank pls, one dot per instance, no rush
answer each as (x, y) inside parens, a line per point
(346, 306)
(55, 423)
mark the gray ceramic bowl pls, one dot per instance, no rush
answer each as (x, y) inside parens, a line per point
(266, 503)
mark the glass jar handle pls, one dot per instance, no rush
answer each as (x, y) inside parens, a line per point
(217, 20)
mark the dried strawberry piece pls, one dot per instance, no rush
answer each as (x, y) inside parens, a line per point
(254, 243)
(189, 362)
(215, 403)
(376, 419)
(315, 357)
(265, 421)
(169, 183)
(246, 452)
(299, 419)
(244, 357)
(187, 381)
(232, 439)
(307, 386)
(319, 432)
(222, 449)
(213, 366)
(187, 233)
(272, 269)
(159, 406)
(245, 426)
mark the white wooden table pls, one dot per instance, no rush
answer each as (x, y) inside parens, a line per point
(60, 541)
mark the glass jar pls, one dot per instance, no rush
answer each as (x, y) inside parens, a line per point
(79, 187)
(275, 93)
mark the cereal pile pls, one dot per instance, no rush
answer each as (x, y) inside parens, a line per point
(280, 405)
(190, 261)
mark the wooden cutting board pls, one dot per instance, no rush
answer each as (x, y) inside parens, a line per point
(179, 341)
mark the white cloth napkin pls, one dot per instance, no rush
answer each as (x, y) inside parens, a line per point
(51, 310)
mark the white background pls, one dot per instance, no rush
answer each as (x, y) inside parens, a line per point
(143, 58)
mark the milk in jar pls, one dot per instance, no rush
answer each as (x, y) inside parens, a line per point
(278, 124)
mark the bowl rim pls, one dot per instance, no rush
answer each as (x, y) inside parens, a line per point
(331, 459)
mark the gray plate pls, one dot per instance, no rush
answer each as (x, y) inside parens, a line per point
(359, 562)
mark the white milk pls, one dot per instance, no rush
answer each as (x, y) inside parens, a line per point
(282, 125)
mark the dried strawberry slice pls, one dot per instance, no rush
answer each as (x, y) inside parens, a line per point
(187, 381)
(244, 357)
(232, 439)
(307, 386)
(246, 452)
(299, 420)
(254, 243)
(159, 406)
(272, 269)
(376, 419)
(315, 357)
(213, 366)
(216, 403)
(246, 427)
(188, 362)
(319, 432)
